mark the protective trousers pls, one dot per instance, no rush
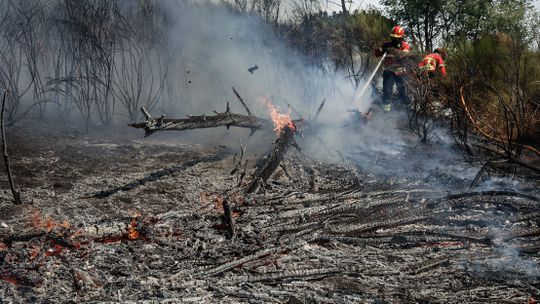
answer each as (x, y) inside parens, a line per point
(389, 79)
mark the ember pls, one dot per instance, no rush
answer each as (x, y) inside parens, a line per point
(46, 223)
(55, 249)
(10, 278)
(133, 234)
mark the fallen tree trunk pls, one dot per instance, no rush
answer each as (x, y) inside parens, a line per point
(281, 145)
(226, 119)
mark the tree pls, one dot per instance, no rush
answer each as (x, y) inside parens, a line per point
(421, 18)
(429, 22)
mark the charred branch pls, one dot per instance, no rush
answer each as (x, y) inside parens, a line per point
(321, 106)
(281, 145)
(225, 119)
(14, 190)
(228, 219)
(242, 102)
(152, 177)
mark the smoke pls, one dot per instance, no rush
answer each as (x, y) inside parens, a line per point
(214, 49)
(506, 261)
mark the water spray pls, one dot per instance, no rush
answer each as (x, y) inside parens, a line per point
(368, 82)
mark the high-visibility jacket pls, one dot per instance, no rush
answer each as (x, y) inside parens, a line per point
(431, 63)
(394, 50)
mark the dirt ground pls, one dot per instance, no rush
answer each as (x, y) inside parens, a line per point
(111, 216)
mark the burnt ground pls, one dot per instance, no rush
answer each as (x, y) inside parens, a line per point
(111, 216)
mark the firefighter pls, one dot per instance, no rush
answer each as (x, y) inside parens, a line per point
(431, 63)
(432, 69)
(394, 66)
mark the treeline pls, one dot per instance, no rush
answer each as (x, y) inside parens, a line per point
(85, 57)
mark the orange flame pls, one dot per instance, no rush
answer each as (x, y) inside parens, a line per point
(133, 234)
(280, 120)
(46, 223)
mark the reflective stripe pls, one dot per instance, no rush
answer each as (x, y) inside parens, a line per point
(428, 64)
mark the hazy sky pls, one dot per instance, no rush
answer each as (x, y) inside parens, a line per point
(333, 5)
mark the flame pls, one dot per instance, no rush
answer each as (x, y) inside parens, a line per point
(133, 233)
(280, 120)
(46, 223)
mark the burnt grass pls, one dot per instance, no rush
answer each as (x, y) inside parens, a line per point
(111, 216)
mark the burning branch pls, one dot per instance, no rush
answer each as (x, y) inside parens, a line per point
(281, 145)
(285, 128)
(225, 119)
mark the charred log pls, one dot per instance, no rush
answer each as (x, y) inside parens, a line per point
(281, 145)
(225, 119)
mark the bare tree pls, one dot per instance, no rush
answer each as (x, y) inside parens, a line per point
(139, 73)
(14, 190)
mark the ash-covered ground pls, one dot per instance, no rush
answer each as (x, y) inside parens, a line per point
(114, 217)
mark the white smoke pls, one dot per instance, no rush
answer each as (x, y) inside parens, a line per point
(214, 48)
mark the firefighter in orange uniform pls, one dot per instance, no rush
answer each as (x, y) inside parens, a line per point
(431, 66)
(433, 62)
(394, 66)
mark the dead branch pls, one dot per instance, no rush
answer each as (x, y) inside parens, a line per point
(228, 219)
(243, 174)
(490, 193)
(484, 133)
(321, 106)
(307, 274)
(14, 191)
(281, 145)
(238, 262)
(510, 159)
(225, 119)
(242, 102)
